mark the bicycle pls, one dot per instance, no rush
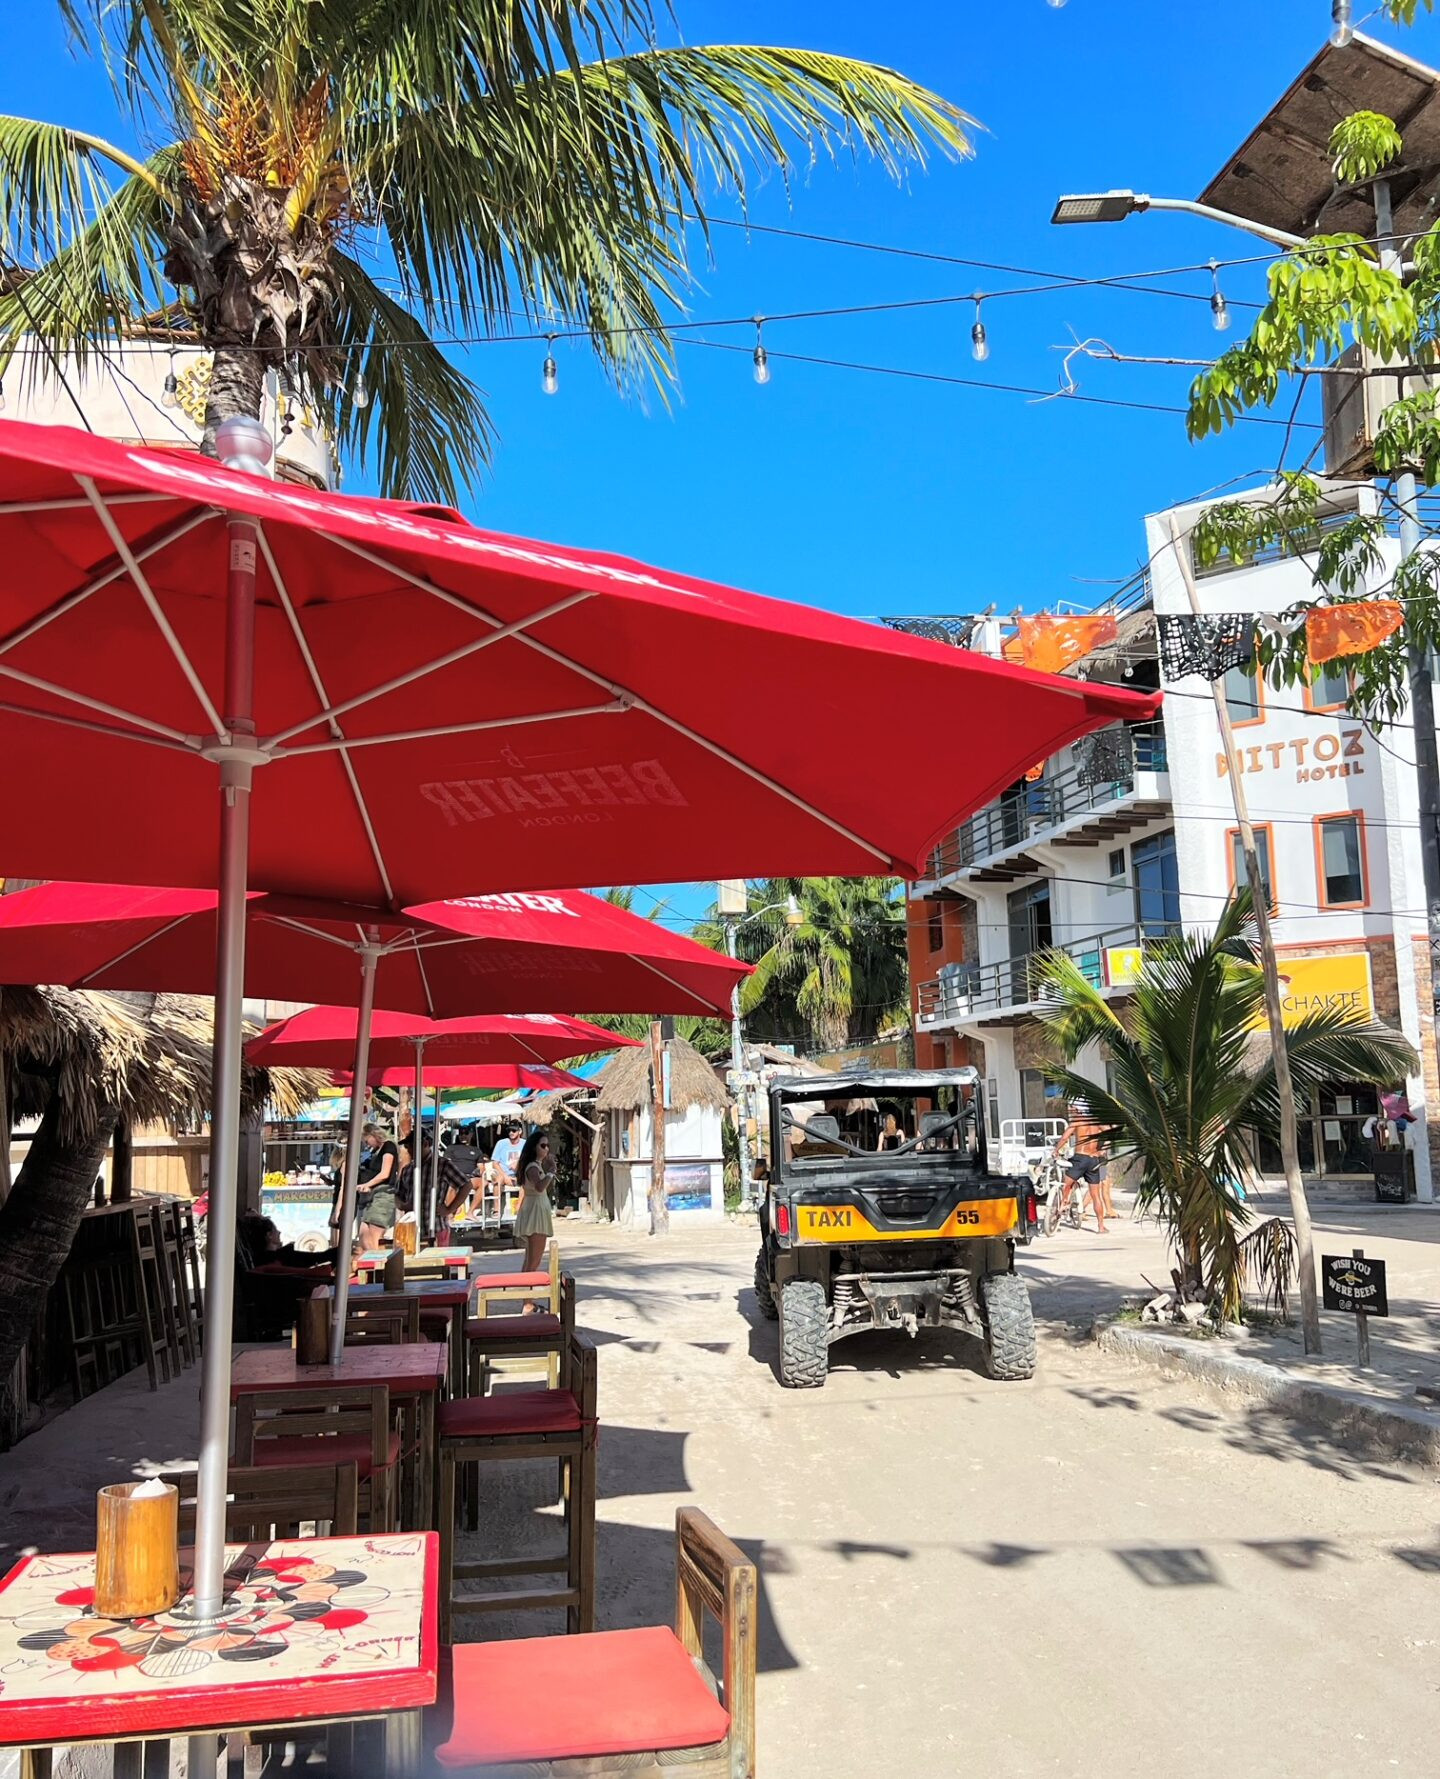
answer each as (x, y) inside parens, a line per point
(1062, 1201)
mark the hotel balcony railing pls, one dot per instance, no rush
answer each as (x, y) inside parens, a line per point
(972, 991)
(1102, 769)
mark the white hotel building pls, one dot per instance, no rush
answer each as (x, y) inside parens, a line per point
(1131, 832)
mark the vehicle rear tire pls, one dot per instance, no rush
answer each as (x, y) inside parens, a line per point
(1009, 1325)
(764, 1290)
(804, 1351)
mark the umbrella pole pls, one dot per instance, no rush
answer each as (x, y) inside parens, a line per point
(435, 1169)
(236, 758)
(369, 957)
(416, 1145)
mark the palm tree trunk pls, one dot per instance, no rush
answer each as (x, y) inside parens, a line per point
(237, 386)
(38, 1222)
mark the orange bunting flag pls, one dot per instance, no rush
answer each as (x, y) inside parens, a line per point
(1335, 630)
(1050, 644)
(1036, 771)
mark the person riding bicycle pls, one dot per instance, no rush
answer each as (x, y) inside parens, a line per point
(1086, 1166)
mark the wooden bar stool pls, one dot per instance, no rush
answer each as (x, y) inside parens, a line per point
(270, 1501)
(333, 1425)
(616, 1704)
(174, 1281)
(520, 1424)
(156, 1309)
(520, 1287)
(190, 1247)
(382, 1322)
(495, 1341)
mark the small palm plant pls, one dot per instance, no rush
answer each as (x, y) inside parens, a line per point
(1185, 1098)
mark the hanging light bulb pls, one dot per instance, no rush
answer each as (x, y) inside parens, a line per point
(170, 389)
(979, 339)
(359, 389)
(1219, 308)
(794, 915)
(550, 371)
(760, 356)
(1342, 30)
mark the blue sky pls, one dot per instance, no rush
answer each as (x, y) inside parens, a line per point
(868, 493)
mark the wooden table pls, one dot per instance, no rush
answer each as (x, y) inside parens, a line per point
(414, 1373)
(448, 1294)
(316, 1630)
(457, 1259)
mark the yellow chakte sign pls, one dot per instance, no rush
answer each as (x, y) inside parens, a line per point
(844, 1223)
(1315, 984)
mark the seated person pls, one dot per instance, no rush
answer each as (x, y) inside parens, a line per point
(272, 1278)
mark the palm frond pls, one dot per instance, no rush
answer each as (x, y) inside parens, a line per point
(426, 429)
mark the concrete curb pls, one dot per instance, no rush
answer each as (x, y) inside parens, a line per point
(1362, 1422)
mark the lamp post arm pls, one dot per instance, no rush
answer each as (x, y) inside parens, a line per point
(1281, 237)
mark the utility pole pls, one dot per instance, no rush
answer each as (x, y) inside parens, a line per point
(1274, 1015)
(1422, 690)
(738, 1085)
(659, 1208)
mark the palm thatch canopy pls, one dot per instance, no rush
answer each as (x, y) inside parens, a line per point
(145, 1057)
(625, 1084)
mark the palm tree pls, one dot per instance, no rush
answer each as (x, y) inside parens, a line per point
(1186, 1087)
(837, 972)
(339, 181)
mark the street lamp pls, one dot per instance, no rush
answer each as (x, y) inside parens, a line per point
(734, 918)
(1115, 206)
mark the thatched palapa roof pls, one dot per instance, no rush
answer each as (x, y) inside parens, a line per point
(146, 1057)
(625, 1084)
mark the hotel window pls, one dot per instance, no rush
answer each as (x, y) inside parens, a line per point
(1243, 697)
(1237, 861)
(1340, 861)
(936, 924)
(1331, 688)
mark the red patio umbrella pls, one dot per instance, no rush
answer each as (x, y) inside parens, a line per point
(501, 1077)
(395, 706)
(478, 954)
(324, 1038)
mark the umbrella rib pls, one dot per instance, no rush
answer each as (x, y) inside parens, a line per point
(157, 611)
(424, 978)
(187, 743)
(78, 597)
(312, 668)
(70, 501)
(114, 963)
(706, 1009)
(69, 722)
(629, 699)
(519, 722)
(418, 673)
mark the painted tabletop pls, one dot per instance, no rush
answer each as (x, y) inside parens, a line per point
(441, 1293)
(410, 1369)
(313, 1628)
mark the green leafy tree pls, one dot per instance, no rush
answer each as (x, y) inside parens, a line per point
(1335, 291)
(340, 182)
(835, 976)
(1186, 1093)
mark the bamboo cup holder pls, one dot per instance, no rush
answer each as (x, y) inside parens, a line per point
(137, 1554)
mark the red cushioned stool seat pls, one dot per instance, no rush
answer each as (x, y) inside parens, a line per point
(517, 1411)
(558, 1698)
(497, 1281)
(536, 1327)
(339, 1448)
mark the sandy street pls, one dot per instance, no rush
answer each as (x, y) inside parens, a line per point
(1093, 1573)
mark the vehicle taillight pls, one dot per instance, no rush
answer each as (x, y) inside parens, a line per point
(1032, 1209)
(782, 1219)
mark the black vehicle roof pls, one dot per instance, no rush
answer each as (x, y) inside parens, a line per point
(869, 1083)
